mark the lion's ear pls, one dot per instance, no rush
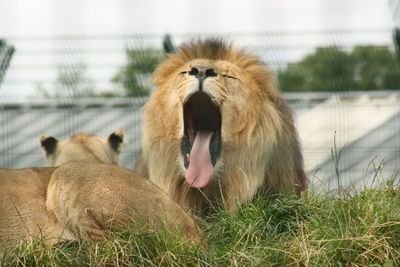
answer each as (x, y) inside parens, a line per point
(49, 144)
(116, 139)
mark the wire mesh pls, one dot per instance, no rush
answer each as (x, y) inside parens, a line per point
(62, 85)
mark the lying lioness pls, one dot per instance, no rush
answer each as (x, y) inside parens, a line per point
(23, 206)
(84, 196)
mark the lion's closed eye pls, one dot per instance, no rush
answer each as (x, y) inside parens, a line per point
(229, 76)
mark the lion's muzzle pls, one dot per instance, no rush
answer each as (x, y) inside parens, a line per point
(201, 143)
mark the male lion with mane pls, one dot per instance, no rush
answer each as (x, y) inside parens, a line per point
(216, 129)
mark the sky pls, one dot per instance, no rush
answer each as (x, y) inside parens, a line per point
(30, 25)
(24, 18)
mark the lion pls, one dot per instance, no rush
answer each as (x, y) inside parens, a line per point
(216, 129)
(23, 192)
(83, 195)
(83, 147)
(23, 207)
(90, 194)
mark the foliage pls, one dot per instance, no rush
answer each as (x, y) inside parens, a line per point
(396, 41)
(133, 76)
(6, 53)
(72, 79)
(334, 69)
(72, 82)
(362, 229)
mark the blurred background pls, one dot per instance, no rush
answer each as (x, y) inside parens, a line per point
(71, 66)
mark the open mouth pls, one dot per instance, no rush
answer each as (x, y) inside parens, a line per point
(201, 143)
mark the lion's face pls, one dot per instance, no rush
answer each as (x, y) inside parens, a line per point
(217, 121)
(217, 100)
(206, 90)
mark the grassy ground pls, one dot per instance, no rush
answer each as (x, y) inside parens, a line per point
(316, 229)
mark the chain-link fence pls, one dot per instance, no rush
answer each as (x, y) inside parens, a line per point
(62, 85)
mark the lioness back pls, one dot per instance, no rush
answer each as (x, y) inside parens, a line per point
(22, 205)
(102, 197)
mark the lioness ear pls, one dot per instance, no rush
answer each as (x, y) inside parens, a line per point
(48, 144)
(116, 139)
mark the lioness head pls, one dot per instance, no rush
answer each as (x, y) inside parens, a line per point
(83, 147)
(216, 120)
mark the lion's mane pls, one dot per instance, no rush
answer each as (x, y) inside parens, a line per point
(260, 152)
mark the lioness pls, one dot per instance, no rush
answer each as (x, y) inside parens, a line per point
(23, 192)
(23, 210)
(84, 196)
(82, 147)
(217, 129)
(87, 196)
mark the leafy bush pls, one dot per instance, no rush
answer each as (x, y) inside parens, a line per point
(133, 76)
(334, 69)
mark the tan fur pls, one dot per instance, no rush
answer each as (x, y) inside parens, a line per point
(260, 149)
(23, 206)
(83, 197)
(114, 200)
(84, 147)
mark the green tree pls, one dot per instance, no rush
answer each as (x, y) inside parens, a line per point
(6, 53)
(134, 76)
(396, 41)
(328, 68)
(375, 68)
(334, 69)
(72, 82)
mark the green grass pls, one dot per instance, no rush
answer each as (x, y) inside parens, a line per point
(316, 229)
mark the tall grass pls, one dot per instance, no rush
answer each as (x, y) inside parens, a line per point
(316, 229)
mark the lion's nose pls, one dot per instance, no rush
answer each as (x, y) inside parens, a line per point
(202, 72)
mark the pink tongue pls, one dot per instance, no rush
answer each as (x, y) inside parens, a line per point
(200, 169)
